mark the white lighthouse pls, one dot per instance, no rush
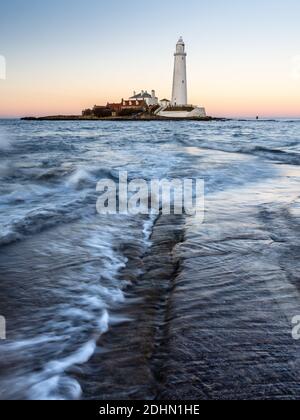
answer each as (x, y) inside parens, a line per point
(179, 107)
(179, 95)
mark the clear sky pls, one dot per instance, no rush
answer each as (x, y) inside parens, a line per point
(66, 55)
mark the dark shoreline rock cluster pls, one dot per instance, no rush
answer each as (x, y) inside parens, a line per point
(139, 118)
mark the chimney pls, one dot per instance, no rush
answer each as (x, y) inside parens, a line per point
(153, 94)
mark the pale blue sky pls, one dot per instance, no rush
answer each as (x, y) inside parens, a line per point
(71, 54)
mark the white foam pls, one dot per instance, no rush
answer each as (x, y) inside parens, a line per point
(77, 313)
(148, 228)
(8, 235)
(53, 383)
(23, 344)
(80, 176)
(5, 142)
(79, 357)
(48, 389)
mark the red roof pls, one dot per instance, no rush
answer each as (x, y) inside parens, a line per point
(114, 106)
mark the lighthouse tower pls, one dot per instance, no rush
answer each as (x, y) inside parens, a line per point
(179, 106)
(179, 95)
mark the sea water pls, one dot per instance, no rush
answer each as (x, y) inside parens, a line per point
(61, 264)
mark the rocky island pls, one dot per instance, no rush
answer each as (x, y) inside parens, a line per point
(144, 117)
(146, 106)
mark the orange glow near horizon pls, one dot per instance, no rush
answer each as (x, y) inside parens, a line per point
(35, 102)
(234, 92)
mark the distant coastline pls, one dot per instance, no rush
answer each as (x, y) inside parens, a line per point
(124, 118)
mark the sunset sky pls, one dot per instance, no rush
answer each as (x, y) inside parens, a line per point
(66, 55)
